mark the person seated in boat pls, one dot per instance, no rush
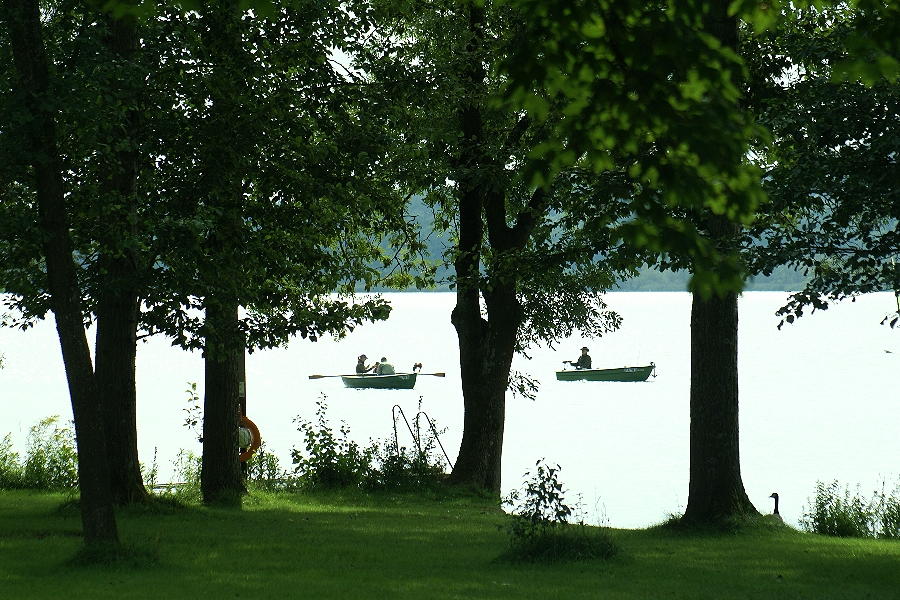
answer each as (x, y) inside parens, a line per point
(583, 362)
(362, 367)
(384, 367)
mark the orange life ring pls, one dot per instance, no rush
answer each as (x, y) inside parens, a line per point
(255, 439)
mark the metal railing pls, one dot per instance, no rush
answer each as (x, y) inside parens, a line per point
(398, 410)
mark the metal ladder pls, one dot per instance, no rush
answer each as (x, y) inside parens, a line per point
(398, 410)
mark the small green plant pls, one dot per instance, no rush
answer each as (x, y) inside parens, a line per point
(399, 468)
(187, 476)
(264, 472)
(889, 514)
(404, 469)
(51, 460)
(194, 419)
(539, 529)
(150, 475)
(329, 461)
(11, 472)
(843, 514)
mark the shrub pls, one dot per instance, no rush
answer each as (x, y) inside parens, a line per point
(187, 477)
(889, 515)
(403, 469)
(844, 514)
(399, 468)
(11, 473)
(330, 461)
(264, 472)
(51, 461)
(540, 531)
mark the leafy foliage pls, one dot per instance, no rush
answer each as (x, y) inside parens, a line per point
(188, 467)
(405, 469)
(832, 166)
(540, 530)
(194, 411)
(400, 468)
(646, 94)
(264, 472)
(545, 244)
(150, 475)
(330, 460)
(50, 462)
(256, 173)
(333, 460)
(850, 515)
(871, 41)
(11, 475)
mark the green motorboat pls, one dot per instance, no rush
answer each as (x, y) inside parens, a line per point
(398, 381)
(621, 374)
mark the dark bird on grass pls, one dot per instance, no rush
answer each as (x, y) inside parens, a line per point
(775, 516)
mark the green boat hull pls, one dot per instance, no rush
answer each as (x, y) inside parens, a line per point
(400, 381)
(621, 374)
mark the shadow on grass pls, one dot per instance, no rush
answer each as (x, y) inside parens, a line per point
(350, 544)
(115, 556)
(154, 505)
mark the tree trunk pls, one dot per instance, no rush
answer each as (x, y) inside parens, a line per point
(220, 475)
(23, 19)
(118, 305)
(486, 347)
(485, 356)
(116, 350)
(716, 490)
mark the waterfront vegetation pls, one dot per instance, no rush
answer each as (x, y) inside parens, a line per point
(354, 544)
(396, 535)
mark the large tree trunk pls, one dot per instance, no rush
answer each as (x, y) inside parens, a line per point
(220, 476)
(118, 305)
(23, 19)
(485, 356)
(716, 491)
(116, 349)
(486, 347)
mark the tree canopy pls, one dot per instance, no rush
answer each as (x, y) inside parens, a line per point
(831, 168)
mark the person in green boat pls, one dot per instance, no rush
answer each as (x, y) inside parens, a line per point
(384, 367)
(583, 362)
(362, 367)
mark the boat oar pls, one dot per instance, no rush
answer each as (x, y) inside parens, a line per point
(323, 376)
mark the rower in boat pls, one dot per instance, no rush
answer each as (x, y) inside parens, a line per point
(583, 362)
(362, 367)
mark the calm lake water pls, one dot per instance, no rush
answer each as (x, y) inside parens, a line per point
(818, 399)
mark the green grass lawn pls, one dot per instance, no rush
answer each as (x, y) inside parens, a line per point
(396, 546)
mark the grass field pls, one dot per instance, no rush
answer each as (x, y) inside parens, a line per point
(394, 546)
